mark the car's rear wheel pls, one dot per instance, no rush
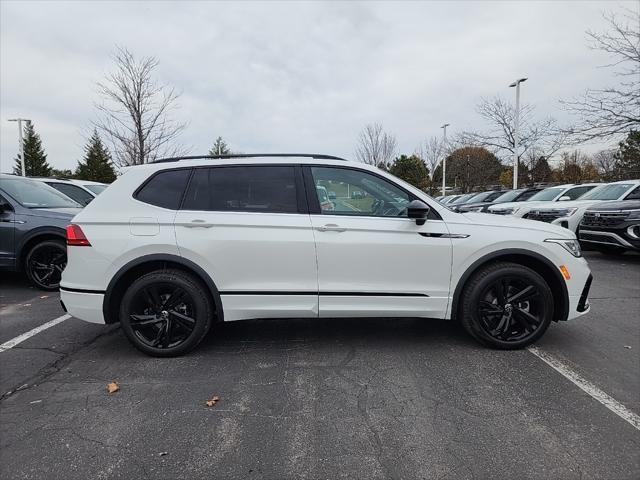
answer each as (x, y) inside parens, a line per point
(166, 313)
(506, 306)
(44, 264)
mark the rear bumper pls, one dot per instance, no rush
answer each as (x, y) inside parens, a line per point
(86, 306)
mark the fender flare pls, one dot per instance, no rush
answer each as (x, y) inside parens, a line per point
(496, 255)
(45, 230)
(163, 257)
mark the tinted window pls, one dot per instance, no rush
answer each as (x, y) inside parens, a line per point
(613, 191)
(75, 193)
(35, 194)
(165, 189)
(577, 192)
(358, 193)
(95, 187)
(634, 195)
(262, 188)
(526, 195)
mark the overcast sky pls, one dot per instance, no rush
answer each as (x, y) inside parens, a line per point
(294, 77)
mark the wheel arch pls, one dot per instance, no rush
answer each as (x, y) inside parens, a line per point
(33, 237)
(541, 265)
(147, 263)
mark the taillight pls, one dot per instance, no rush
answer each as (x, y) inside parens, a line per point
(76, 237)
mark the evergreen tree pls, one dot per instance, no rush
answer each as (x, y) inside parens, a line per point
(628, 157)
(96, 165)
(411, 169)
(36, 164)
(220, 147)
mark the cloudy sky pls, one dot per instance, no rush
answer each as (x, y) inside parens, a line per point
(293, 76)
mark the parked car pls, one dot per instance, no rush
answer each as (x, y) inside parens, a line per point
(80, 191)
(569, 214)
(560, 193)
(612, 227)
(448, 199)
(33, 218)
(461, 200)
(475, 203)
(507, 196)
(177, 246)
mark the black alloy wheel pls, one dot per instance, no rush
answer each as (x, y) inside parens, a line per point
(44, 264)
(507, 306)
(166, 313)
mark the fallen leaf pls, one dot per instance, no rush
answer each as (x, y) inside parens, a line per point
(35, 401)
(113, 387)
(44, 296)
(212, 402)
(162, 454)
(628, 346)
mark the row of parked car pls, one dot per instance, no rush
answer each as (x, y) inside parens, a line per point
(34, 213)
(604, 216)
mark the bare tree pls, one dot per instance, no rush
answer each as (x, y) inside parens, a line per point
(375, 146)
(606, 163)
(609, 112)
(431, 151)
(543, 135)
(135, 111)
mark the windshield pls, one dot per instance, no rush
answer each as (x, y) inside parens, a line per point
(33, 194)
(547, 194)
(612, 191)
(508, 196)
(95, 187)
(463, 198)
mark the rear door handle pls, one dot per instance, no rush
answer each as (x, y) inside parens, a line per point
(331, 227)
(198, 223)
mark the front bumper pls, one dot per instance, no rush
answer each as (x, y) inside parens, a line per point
(83, 305)
(618, 237)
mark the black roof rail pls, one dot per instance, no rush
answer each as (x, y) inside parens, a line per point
(316, 156)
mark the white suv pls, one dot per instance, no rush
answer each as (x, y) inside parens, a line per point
(173, 247)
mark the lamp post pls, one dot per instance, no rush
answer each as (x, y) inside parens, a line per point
(516, 124)
(444, 159)
(21, 140)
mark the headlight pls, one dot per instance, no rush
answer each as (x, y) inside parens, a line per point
(475, 209)
(570, 245)
(504, 211)
(566, 212)
(633, 214)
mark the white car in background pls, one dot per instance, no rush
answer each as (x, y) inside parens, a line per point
(81, 191)
(560, 193)
(569, 214)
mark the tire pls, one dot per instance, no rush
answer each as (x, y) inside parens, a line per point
(506, 306)
(166, 313)
(44, 264)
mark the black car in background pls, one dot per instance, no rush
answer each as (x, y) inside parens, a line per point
(478, 198)
(612, 227)
(33, 219)
(503, 196)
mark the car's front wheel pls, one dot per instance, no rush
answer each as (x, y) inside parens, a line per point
(166, 313)
(505, 305)
(44, 264)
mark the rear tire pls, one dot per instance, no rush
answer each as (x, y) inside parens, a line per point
(506, 306)
(166, 313)
(44, 264)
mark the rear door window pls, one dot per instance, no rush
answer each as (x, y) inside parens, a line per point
(165, 189)
(577, 192)
(255, 188)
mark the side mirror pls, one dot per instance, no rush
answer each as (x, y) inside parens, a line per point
(564, 198)
(418, 210)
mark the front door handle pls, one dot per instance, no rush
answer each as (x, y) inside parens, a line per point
(331, 227)
(198, 223)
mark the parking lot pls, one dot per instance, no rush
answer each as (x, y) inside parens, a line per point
(367, 398)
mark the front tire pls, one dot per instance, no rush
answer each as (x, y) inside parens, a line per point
(506, 306)
(166, 313)
(44, 264)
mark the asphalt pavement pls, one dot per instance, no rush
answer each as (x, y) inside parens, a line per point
(339, 398)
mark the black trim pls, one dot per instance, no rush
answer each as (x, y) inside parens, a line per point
(317, 156)
(332, 294)
(583, 303)
(81, 290)
(562, 315)
(161, 257)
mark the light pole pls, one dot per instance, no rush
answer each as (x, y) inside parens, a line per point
(516, 124)
(444, 158)
(20, 140)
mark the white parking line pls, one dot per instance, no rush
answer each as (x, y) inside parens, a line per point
(609, 402)
(21, 338)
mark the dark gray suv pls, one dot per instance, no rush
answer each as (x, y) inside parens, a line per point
(33, 218)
